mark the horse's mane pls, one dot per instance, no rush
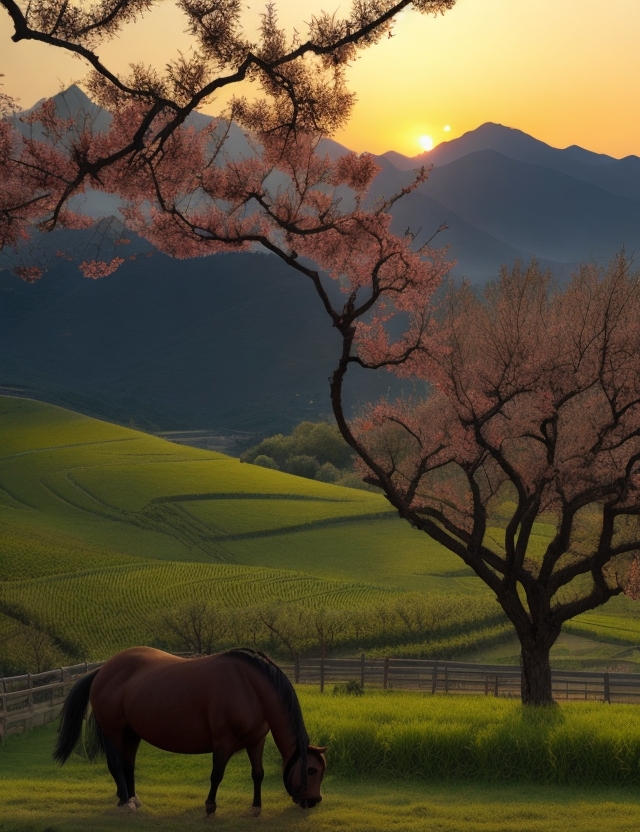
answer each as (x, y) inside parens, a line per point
(283, 687)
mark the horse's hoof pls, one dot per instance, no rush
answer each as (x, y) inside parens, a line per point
(256, 811)
(211, 810)
(132, 804)
(136, 800)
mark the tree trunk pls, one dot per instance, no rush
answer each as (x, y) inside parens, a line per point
(536, 672)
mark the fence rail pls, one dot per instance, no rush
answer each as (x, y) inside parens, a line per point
(36, 698)
(434, 677)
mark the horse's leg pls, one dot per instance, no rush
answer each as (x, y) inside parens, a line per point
(115, 763)
(254, 753)
(129, 750)
(220, 760)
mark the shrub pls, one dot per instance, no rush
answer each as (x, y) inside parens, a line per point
(350, 688)
(266, 462)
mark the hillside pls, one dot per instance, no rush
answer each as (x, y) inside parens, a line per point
(103, 527)
(235, 342)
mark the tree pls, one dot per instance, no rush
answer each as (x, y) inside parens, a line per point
(196, 628)
(314, 449)
(533, 414)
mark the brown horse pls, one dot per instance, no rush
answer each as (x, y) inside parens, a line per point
(214, 704)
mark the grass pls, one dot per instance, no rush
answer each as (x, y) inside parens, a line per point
(39, 796)
(103, 526)
(129, 494)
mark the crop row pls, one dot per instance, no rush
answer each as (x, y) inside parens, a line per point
(105, 609)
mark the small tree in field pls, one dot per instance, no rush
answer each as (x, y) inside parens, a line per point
(533, 414)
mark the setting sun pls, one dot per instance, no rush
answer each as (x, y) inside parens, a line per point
(426, 142)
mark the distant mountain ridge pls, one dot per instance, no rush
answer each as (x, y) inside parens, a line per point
(501, 193)
(619, 176)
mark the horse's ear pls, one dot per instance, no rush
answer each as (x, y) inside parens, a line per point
(321, 749)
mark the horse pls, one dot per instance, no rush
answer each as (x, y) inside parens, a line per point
(216, 704)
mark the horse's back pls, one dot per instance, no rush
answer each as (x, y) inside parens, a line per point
(178, 704)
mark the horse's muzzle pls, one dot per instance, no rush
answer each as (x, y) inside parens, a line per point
(306, 802)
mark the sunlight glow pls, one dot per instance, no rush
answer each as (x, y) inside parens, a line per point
(426, 142)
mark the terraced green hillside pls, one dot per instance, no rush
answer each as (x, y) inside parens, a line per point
(103, 526)
(76, 492)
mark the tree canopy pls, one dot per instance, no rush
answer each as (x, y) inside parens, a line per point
(300, 87)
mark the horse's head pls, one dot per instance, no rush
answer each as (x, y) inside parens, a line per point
(304, 785)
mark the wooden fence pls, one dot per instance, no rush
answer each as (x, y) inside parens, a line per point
(438, 677)
(36, 699)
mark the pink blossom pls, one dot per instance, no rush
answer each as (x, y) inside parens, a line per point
(95, 269)
(30, 274)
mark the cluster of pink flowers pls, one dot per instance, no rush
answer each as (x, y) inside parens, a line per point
(95, 269)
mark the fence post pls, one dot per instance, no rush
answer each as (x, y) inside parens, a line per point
(434, 679)
(296, 669)
(446, 679)
(486, 684)
(30, 694)
(607, 688)
(321, 674)
(496, 686)
(362, 671)
(385, 677)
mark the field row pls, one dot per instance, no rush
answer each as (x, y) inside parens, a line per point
(104, 610)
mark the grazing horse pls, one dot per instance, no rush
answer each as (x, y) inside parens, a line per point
(214, 704)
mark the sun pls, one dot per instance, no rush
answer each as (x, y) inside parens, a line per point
(426, 142)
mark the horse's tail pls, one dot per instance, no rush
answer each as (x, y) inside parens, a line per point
(72, 715)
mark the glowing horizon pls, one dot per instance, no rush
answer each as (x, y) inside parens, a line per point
(565, 75)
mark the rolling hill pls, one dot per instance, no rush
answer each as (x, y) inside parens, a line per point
(103, 527)
(235, 342)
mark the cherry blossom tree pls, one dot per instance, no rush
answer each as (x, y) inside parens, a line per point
(533, 417)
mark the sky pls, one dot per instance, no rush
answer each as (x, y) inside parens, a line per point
(564, 71)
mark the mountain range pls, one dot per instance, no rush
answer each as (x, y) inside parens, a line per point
(501, 193)
(239, 342)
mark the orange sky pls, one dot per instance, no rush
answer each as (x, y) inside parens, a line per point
(565, 71)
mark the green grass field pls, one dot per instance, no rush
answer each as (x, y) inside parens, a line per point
(400, 762)
(103, 525)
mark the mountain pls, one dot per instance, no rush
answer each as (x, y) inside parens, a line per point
(619, 176)
(501, 193)
(537, 209)
(238, 341)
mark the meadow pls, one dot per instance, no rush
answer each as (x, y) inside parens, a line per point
(103, 526)
(397, 761)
